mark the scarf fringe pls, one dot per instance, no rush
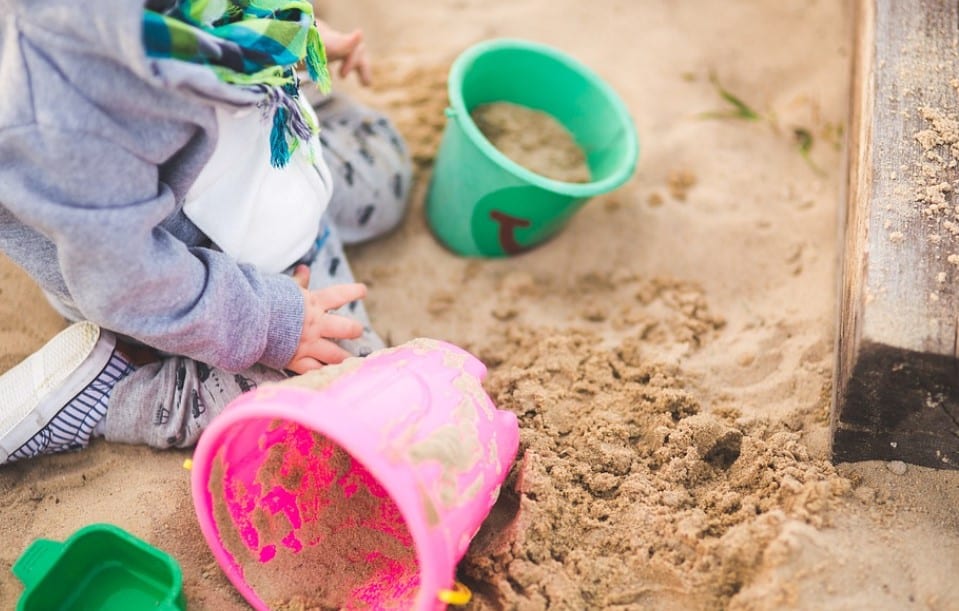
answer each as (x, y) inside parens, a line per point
(280, 152)
(291, 124)
(316, 64)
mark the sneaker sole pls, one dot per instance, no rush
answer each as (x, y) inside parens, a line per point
(34, 391)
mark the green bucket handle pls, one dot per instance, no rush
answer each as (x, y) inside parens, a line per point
(37, 561)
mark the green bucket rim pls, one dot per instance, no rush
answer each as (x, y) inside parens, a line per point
(576, 190)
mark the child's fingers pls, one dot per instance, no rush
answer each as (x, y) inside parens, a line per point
(338, 295)
(352, 60)
(328, 352)
(340, 327)
(365, 72)
(354, 40)
(341, 46)
(304, 364)
(316, 355)
(301, 273)
(345, 67)
(358, 63)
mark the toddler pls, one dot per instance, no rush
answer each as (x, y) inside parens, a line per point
(166, 182)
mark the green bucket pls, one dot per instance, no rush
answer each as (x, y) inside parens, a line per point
(99, 567)
(481, 203)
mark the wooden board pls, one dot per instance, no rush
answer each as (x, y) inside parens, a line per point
(896, 392)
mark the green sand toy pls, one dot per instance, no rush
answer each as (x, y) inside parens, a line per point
(480, 202)
(98, 568)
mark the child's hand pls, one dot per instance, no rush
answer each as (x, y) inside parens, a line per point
(316, 347)
(348, 49)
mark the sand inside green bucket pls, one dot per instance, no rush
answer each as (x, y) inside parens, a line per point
(533, 139)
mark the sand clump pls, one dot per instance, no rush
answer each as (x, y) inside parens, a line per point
(937, 170)
(627, 484)
(533, 139)
(936, 176)
(680, 182)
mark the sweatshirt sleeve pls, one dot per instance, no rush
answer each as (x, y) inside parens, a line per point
(103, 208)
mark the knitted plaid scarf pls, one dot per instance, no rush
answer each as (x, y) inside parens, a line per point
(255, 44)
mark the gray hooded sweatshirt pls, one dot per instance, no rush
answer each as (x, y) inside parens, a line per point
(99, 145)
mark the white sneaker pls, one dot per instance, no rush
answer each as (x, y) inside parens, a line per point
(53, 400)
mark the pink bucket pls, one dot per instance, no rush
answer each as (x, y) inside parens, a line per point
(362, 495)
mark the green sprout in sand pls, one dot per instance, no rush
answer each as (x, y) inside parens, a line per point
(804, 140)
(739, 110)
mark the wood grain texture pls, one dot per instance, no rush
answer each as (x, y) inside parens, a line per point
(897, 376)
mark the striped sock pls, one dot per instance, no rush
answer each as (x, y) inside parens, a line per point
(72, 427)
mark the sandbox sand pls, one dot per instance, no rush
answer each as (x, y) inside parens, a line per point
(669, 354)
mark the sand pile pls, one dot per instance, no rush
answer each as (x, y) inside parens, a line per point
(627, 491)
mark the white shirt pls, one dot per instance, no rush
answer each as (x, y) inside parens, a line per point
(254, 212)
